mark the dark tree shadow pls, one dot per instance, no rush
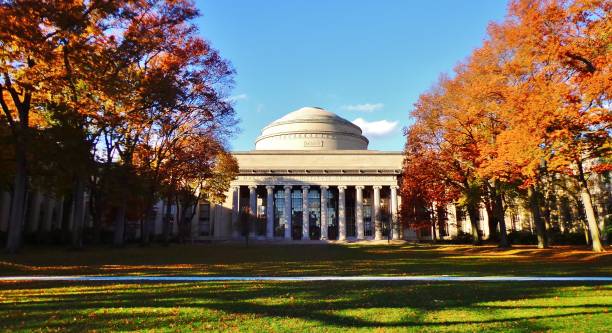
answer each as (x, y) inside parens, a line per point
(38, 305)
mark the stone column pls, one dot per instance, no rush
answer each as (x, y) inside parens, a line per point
(235, 211)
(341, 213)
(324, 212)
(48, 214)
(35, 204)
(305, 216)
(252, 211)
(359, 212)
(5, 207)
(60, 213)
(270, 212)
(394, 214)
(287, 212)
(378, 227)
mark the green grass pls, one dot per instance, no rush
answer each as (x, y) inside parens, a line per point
(329, 306)
(300, 260)
(307, 306)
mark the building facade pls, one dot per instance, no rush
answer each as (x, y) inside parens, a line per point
(310, 177)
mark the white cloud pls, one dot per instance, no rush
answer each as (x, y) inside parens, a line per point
(236, 98)
(367, 107)
(376, 128)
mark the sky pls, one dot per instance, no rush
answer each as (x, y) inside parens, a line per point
(367, 61)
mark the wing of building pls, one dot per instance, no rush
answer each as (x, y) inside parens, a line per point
(311, 176)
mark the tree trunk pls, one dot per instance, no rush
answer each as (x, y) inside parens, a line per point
(17, 212)
(167, 224)
(146, 224)
(96, 209)
(440, 210)
(587, 237)
(493, 220)
(433, 224)
(145, 237)
(472, 209)
(65, 223)
(498, 209)
(587, 202)
(534, 204)
(79, 214)
(119, 232)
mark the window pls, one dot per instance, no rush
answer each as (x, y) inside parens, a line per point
(279, 213)
(367, 216)
(314, 214)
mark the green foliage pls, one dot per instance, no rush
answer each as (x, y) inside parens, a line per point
(464, 238)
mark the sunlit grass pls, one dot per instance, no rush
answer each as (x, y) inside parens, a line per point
(301, 260)
(299, 306)
(306, 306)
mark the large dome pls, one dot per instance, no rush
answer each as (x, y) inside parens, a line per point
(311, 128)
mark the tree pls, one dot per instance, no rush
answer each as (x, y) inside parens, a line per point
(38, 40)
(560, 63)
(533, 100)
(113, 74)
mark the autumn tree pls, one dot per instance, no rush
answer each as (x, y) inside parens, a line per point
(532, 101)
(38, 41)
(119, 75)
(559, 63)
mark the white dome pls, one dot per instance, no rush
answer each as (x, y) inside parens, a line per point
(311, 128)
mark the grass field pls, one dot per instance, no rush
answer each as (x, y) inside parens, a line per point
(307, 306)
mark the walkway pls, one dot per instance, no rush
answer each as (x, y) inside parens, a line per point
(434, 278)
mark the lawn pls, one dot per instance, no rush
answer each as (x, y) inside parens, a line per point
(300, 260)
(307, 306)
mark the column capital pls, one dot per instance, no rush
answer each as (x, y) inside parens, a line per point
(305, 187)
(341, 187)
(270, 187)
(288, 187)
(359, 187)
(377, 187)
(252, 187)
(324, 187)
(394, 187)
(236, 187)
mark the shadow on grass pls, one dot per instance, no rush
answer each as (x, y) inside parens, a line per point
(302, 305)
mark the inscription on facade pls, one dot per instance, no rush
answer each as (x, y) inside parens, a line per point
(313, 143)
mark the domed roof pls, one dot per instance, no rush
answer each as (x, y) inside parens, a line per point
(311, 128)
(309, 113)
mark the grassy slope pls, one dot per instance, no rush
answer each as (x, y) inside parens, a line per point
(307, 306)
(310, 260)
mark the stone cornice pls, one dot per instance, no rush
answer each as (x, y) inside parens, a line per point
(316, 152)
(314, 134)
(317, 180)
(320, 172)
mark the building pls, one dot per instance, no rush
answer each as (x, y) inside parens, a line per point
(310, 177)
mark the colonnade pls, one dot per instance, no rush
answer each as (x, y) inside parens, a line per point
(341, 211)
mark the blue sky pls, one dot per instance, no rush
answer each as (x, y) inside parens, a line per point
(367, 61)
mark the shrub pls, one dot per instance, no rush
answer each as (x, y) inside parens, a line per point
(574, 238)
(464, 238)
(522, 237)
